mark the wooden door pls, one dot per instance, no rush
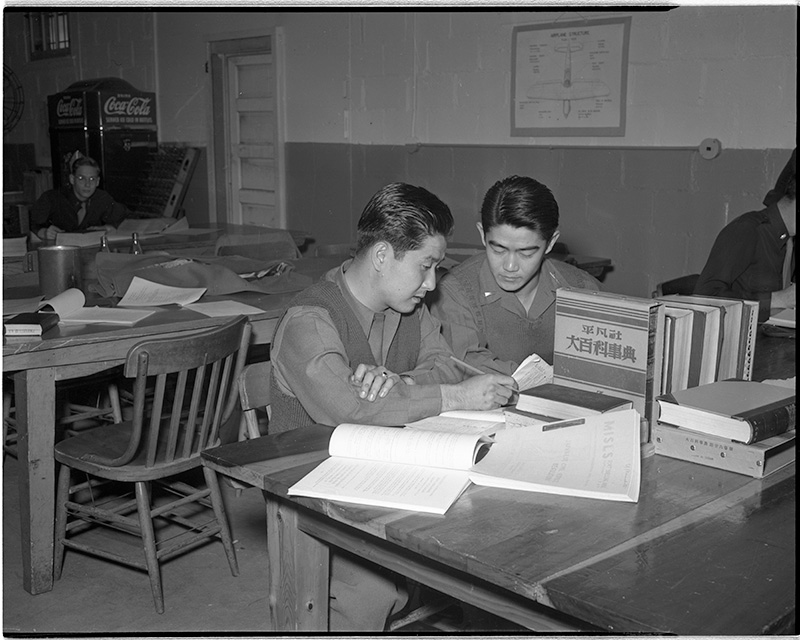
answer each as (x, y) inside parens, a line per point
(252, 141)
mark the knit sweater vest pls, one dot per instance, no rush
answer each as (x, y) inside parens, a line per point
(287, 412)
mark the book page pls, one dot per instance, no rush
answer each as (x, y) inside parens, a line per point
(784, 318)
(65, 303)
(143, 293)
(450, 424)
(490, 415)
(12, 307)
(532, 372)
(85, 239)
(106, 315)
(406, 446)
(223, 308)
(383, 484)
(593, 457)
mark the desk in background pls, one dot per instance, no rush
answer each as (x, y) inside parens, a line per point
(703, 552)
(69, 352)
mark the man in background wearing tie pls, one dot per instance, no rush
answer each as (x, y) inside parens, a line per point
(79, 206)
(753, 256)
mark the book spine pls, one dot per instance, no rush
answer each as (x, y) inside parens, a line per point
(749, 328)
(18, 331)
(753, 460)
(696, 357)
(770, 421)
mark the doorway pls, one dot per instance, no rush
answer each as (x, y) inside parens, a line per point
(247, 132)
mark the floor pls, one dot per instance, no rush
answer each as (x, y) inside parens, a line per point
(97, 597)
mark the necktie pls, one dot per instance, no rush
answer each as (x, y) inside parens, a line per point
(81, 212)
(788, 262)
(376, 337)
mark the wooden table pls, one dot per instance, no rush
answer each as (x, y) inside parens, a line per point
(70, 352)
(704, 551)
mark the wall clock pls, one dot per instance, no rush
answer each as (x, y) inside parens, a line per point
(13, 99)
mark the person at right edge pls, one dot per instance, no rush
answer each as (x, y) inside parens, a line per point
(498, 307)
(360, 346)
(753, 256)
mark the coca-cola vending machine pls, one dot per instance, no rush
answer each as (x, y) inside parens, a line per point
(109, 120)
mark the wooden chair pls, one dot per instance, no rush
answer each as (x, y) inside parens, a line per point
(76, 416)
(192, 380)
(254, 395)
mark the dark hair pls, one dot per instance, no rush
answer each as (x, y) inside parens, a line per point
(404, 216)
(520, 202)
(84, 161)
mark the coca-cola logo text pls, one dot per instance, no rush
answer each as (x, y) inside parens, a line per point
(69, 107)
(127, 107)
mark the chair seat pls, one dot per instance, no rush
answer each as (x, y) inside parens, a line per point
(112, 440)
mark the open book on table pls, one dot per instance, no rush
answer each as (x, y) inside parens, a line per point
(427, 470)
(69, 306)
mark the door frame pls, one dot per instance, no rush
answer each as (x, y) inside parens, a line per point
(218, 53)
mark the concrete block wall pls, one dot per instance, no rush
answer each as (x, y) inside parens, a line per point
(116, 44)
(654, 212)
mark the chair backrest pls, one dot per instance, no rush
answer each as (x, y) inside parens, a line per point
(193, 384)
(677, 286)
(254, 393)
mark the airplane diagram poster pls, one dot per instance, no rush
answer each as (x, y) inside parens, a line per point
(570, 78)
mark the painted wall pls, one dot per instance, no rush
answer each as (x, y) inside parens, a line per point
(377, 96)
(445, 77)
(116, 44)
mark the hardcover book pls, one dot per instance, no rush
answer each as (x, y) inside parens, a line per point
(740, 410)
(706, 338)
(610, 343)
(677, 348)
(747, 347)
(756, 460)
(30, 324)
(559, 402)
(426, 471)
(731, 327)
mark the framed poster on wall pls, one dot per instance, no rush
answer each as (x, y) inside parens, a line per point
(570, 78)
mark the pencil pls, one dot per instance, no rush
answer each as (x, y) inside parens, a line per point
(468, 367)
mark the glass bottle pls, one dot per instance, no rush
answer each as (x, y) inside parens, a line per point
(136, 248)
(104, 248)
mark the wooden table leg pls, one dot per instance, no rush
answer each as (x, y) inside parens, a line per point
(299, 567)
(35, 407)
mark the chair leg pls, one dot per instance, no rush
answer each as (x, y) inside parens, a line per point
(6, 417)
(62, 496)
(113, 398)
(149, 540)
(219, 511)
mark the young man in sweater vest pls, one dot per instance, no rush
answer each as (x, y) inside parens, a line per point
(497, 308)
(359, 346)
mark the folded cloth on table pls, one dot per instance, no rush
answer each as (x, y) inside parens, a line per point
(115, 272)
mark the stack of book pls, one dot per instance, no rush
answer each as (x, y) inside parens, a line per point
(707, 339)
(738, 425)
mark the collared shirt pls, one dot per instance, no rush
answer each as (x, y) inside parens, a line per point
(746, 261)
(60, 207)
(461, 326)
(310, 363)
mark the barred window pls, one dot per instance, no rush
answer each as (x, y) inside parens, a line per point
(48, 34)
